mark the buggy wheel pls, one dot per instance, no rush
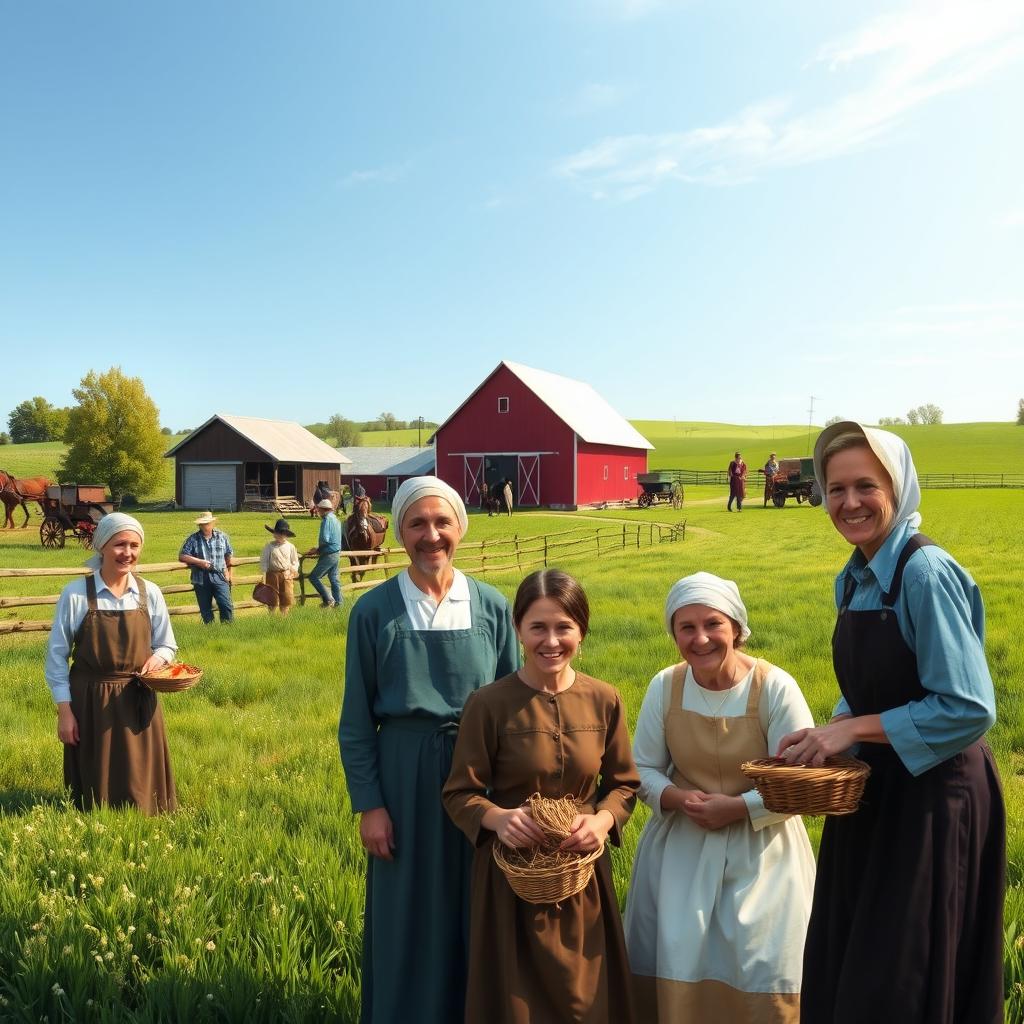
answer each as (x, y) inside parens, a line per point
(85, 536)
(645, 500)
(51, 533)
(677, 496)
(815, 498)
(779, 499)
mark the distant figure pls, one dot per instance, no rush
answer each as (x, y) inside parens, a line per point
(358, 490)
(507, 495)
(279, 563)
(737, 482)
(484, 495)
(327, 550)
(771, 467)
(208, 552)
(319, 494)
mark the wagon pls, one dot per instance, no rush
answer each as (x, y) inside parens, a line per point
(74, 509)
(795, 479)
(662, 487)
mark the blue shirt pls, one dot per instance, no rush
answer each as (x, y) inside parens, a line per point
(214, 549)
(328, 541)
(72, 606)
(942, 619)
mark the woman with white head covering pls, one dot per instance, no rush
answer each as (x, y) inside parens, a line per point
(907, 917)
(418, 645)
(113, 627)
(721, 888)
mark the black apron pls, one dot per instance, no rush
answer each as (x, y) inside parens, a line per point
(907, 920)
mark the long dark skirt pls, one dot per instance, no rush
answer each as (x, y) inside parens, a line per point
(908, 904)
(121, 758)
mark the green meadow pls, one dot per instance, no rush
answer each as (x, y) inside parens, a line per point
(246, 903)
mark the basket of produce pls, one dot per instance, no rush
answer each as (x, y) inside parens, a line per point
(172, 678)
(834, 788)
(545, 874)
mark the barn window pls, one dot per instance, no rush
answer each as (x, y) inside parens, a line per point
(606, 472)
(502, 405)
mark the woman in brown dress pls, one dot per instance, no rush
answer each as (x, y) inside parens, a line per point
(113, 627)
(552, 730)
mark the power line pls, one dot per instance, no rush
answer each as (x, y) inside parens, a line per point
(810, 424)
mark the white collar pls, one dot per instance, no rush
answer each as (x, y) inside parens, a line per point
(101, 585)
(458, 591)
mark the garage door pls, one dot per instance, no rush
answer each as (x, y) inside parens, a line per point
(209, 486)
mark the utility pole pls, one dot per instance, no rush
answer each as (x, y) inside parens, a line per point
(810, 424)
(419, 433)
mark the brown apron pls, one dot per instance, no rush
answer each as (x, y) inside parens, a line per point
(707, 751)
(121, 757)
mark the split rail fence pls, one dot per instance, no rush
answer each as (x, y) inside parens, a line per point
(928, 481)
(515, 554)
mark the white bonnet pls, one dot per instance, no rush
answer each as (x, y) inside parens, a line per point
(711, 590)
(112, 523)
(417, 487)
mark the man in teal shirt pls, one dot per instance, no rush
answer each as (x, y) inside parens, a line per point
(417, 646)
(328, 545)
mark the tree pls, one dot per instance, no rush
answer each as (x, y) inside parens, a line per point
(891, 421)
(166, 431)
(36, 420)
(1020, 413)
(913, 417)
(344, 431)
(388, 421)
(833, 419)
(114, 435)
(5, 438)
(925, 414)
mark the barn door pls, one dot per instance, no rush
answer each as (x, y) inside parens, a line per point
(472, 475)
(529, 480)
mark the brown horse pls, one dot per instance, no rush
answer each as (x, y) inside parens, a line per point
(15, 492)
(364, 531)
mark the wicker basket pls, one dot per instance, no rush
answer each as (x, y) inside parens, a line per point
(173, 678)
(835, 788)
(545, 874)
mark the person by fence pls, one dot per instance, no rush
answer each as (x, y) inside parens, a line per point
(279, 562)
(327, 550)
(208, 552)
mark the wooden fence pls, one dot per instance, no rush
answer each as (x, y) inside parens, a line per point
(928, 481)
(515, 554)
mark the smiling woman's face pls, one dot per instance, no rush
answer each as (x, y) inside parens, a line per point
(860, 498)
(120, 554)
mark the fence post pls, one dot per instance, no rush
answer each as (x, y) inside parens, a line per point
(638, 535)
(623, 536)
(545, 550)
(519, 561)
(597, 534)
(302, 581)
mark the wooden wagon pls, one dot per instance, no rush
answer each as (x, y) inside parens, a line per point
(74, 509)
(663, 487)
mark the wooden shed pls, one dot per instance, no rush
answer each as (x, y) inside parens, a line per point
(556, 439)
(235, 462)
(382, 470)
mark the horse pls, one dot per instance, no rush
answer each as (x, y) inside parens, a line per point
(15, 492)
(364, 531)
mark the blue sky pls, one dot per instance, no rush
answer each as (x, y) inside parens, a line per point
(707, 210)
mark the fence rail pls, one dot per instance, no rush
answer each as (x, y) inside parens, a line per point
(928, 481)
(513, 554)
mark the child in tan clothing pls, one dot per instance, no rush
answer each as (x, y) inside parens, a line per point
(279, 562)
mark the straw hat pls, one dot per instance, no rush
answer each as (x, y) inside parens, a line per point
(206, 517)
(325, 503)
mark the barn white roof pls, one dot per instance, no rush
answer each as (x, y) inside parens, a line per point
(581, 407)
(388, 461)
(282, 440)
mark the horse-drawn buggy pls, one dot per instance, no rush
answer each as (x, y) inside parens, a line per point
(662, 487)
(74, 509)
(795, 479)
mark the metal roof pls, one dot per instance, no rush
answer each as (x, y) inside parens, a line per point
(281, 440)
(579, 406)
(396, 461)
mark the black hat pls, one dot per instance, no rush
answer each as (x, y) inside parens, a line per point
(281, 526)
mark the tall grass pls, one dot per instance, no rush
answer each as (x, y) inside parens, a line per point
(246, 904)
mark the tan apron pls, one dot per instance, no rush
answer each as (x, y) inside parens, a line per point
(121, 757)
(707, 752)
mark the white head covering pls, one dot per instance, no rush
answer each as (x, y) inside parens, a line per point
(112, 523)
(892, 452)
(417, 487)
(711, 590)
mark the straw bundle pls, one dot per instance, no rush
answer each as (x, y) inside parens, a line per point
(545, 874)
(835, 788)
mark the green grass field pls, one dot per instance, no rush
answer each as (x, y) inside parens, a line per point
(246, 903)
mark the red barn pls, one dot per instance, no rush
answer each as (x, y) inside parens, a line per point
(558, 441)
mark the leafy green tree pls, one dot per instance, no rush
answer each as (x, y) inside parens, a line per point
(833, 419)
(343, 430)
(930, 413)
(36, 420)
(114, 435)
(1020, 413)
(913, 417)
(387, 420)
(891, 421)
(5, 438)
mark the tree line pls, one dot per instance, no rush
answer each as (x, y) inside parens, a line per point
(345, 433)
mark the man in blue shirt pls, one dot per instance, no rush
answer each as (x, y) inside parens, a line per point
(328, 545)
(208, 552)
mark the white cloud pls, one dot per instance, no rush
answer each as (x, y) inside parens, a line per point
(907, 59)
(376, 175)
